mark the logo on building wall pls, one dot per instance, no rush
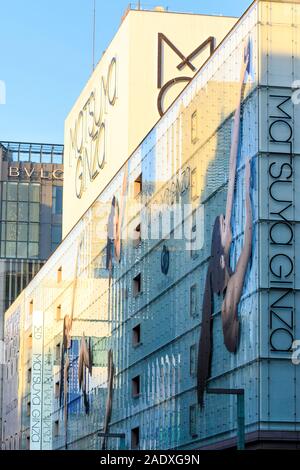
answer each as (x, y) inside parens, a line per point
(280, 200)
(185, 61)
(221, 278)
(87, 136)
(28, 173)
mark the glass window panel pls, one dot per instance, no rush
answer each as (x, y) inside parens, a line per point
(194, 301)
(35, 157)
(3, 210)
(54, 246)
(34, 212)
(56, 234)
(57, 200)
(22, 232)
(12, 191)
(34, 192)
(11, 231)
(33, 251)
(3, 232)
(46, 157)
(4, 186)
(22, 250)
(23, 211)
(34, 232)
(23, 191)
(11, 249)
(3, 249)
(11, 211)
(24, 156)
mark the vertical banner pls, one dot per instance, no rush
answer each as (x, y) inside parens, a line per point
(36, 382)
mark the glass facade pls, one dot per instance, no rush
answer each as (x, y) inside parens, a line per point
(140, 309)
(20, 219)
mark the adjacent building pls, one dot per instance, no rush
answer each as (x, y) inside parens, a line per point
(182, 276)
(31, 179)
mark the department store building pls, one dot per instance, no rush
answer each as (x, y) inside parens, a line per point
(176, 286)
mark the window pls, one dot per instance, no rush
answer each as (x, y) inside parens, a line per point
(194, 128)
(137, 285)
(57, 352)
(58, 312)
(137, 236)
(194, 301)
(33, 250)
(136, 386)
(57, 200)
(29, 375)
(135, 438)
(59, 274)
(28, 408)
(34, 192)
(136, 335)
(194, 184)
(27, 442)
(23, 191)
(194, 251)
(23, 211)
(34, 232)
(56, 235)
(21, 250)
(193, 361)
(57, 390)
(12, 191)
(193, 421)
(34, 212)
(56, 428)
(138, 185)
(31, 307)
(22, 232)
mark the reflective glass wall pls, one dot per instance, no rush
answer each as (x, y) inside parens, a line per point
(157, 290)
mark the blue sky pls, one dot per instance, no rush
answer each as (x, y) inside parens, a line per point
(46, 56)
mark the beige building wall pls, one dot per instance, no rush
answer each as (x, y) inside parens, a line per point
(118, 105)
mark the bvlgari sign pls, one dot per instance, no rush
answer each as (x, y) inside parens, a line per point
(87, 136)
(28, 173)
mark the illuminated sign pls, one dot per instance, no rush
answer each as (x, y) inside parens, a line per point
(87, 136)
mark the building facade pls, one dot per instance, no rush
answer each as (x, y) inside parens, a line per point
(181, 277)
(31, 177)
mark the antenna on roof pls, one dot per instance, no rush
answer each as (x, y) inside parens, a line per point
(94, 33)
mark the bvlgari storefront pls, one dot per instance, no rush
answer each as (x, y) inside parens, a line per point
(177, 290)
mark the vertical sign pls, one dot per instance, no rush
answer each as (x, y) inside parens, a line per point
(282, 228)
(47, 393)
(36, 382)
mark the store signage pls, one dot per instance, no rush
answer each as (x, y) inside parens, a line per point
(36, 382)
(87, 136)
(281, 226)
(178, 186)
(25, 173)
(185, 61)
